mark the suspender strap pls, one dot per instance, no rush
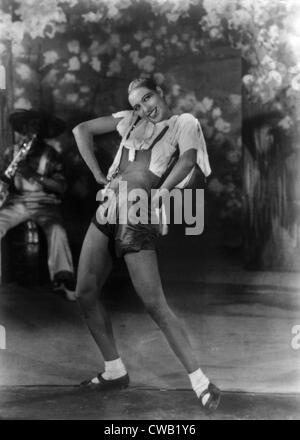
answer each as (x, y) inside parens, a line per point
(158, 137)
(122, 144)
(132, 127)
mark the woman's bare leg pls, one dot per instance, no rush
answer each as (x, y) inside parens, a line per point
(94, 267)
(144, 273)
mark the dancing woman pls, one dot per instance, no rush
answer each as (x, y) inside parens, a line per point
(150, 137)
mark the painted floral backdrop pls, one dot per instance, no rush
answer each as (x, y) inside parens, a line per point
(76, 57)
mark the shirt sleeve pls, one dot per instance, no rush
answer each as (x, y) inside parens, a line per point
(126, 117)
(190, 134)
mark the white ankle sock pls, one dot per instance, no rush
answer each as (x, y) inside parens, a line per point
(114, 369)
(199, 383)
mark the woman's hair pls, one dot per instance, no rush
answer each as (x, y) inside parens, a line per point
(149, 83)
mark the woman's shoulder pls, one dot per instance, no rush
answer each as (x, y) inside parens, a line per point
(186, 118)
(184, 122)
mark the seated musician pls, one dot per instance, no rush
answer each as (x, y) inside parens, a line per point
(36, 190)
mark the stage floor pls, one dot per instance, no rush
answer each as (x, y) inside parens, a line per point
(242, 336)
(70, 403)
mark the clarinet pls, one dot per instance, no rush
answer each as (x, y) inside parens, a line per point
(12, 169)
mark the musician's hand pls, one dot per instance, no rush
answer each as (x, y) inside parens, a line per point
(100, 178)
(27, 172)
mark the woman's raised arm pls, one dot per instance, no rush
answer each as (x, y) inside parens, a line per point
(84, 133)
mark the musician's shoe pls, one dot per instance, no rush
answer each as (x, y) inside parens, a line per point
(99, 383)
(64, 282)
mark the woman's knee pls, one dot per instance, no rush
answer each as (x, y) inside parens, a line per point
(158, 310)
(86, 292)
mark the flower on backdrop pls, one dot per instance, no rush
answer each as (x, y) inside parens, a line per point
(22, 103)
(215, 33)
(296, 82)
(17, 48)
(68, 78)
(3, 48)
(146, 43)
(219, 139)
(235, 101)
(186, 103)
(139, 36)
(207, 104)
(84, 57)
(274, 78)
(174, 39)
(74, 64)
(113, 11)
(51, 77)
(147, 64)
(24, 71)
(159, 78)
(92, 17)
(234, 156)
(72, 97)
(274, 34)
(134, 56)
(95, 64)
(85, 89)
(176, 90)
(248, 80)
(16, 31)
(95, 48)
(211, 21)
(216, 186)
(239, 19)
(19, 91)
(115, 40)
(73, 46)
(50, 57)
(294, 70)
(40, 17)
(126, 47)
(172, 17)
(222, 126)
(214, 6)
(286, 123)
(199, 108)
(268, 62)
(114, 67)
(216, 113)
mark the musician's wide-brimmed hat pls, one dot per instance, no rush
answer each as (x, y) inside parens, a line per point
(46, 125)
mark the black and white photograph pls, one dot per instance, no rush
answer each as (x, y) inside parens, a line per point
(149, 212)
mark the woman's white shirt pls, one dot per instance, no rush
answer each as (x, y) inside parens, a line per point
(184, 132)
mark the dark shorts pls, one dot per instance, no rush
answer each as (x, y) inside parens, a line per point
(125, 238)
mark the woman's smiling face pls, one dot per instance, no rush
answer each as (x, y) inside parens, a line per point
(149, 104)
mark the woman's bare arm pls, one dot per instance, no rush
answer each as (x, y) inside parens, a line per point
(84, 134)
(181, 169)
